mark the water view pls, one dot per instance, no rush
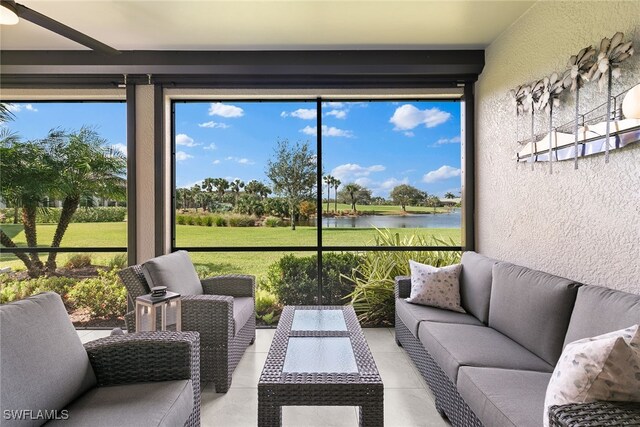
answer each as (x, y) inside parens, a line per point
(441, 220)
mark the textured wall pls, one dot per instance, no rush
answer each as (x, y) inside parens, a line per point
(583, 224)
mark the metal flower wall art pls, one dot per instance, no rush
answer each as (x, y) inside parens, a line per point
(544, 95)
(574, 78)
(606, 67)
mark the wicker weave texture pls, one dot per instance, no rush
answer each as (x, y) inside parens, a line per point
(148, 357)
(593, 414)
(363, 389)
(211, 315)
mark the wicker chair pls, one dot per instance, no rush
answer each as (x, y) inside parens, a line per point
(222, 342)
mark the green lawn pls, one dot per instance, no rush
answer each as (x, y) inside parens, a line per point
(114, 234)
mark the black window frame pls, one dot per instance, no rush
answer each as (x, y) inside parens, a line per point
(466, 151)
(130, 249)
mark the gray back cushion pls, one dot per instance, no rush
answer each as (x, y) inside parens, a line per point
(175, 271)
(532, 308)
(43, 363)
(475, 284)
(601, 310)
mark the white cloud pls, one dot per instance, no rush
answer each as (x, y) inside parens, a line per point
(186, 140)
(393, 182)
(225, 110)
(214, 125)
(409, 134)
(181, 156)
(407, 117)
(241, 160)
(211, 146)
(16, 108)
(338, 114)
(442, 173)
(121, 148)
(216, 161)
(301, 113)
(333, 104)
(327, 131)
(443, 141)
(351, 171)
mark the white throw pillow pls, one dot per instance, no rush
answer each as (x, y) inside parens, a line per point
(436, 287)
(606, 367)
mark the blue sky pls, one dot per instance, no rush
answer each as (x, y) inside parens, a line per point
(376, 144)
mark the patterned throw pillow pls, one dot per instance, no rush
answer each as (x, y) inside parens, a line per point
(606, 367)
(436, 287)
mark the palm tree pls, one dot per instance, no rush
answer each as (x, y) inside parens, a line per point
(328, 179)
(221, 185)
(236, 185)
(433, 201)
(449, 195)
(196, 195)
(336, 184)
(86, 168)
(352, 190)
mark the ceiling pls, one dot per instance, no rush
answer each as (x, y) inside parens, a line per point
(268, 24)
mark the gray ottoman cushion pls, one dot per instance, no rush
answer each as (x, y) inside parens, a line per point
(412, 314)
(165, 403)
(532, 308)
(600, 310)
(43, 362)
(453, 346)
(504, 397)
(243, 309)
(475, 284)
(175, 271)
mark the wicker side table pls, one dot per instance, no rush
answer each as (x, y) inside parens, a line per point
(594, 414)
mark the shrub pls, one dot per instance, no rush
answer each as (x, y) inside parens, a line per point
(208, 221)
(190, 220)
(219, 221)
(374, 278)
(307, 209)
(198, 220)
(241, 221)
(78, 261)
(118, 261)
(267, 307)
(12, 289)
(272, 221)
(104, 296)
(181, 219)
(293, 279)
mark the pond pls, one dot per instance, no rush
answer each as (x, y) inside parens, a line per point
(444, 220)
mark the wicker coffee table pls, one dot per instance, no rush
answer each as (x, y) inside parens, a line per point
(319, 357)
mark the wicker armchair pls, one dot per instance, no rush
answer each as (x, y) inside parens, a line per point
(142, 379)
(222, 342)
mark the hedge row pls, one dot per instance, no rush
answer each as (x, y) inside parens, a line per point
(52, 215)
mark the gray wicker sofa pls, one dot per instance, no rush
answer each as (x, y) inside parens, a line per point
(47, 376)
(491, 366)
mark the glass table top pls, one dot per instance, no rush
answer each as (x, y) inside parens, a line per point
(318, 320)
(320, 355)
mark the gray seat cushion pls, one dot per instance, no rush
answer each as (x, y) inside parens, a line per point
(175, 271)
(166, 403)
(453, 346)
(412, 314)
(475, 284)
(44, 365)
(504, 397)
(600, 310)
(243, 309)
(532, 308)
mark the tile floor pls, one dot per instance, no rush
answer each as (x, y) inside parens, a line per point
(407, 400)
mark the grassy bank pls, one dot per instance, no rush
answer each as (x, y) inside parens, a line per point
(114, 234)
(385, 209)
